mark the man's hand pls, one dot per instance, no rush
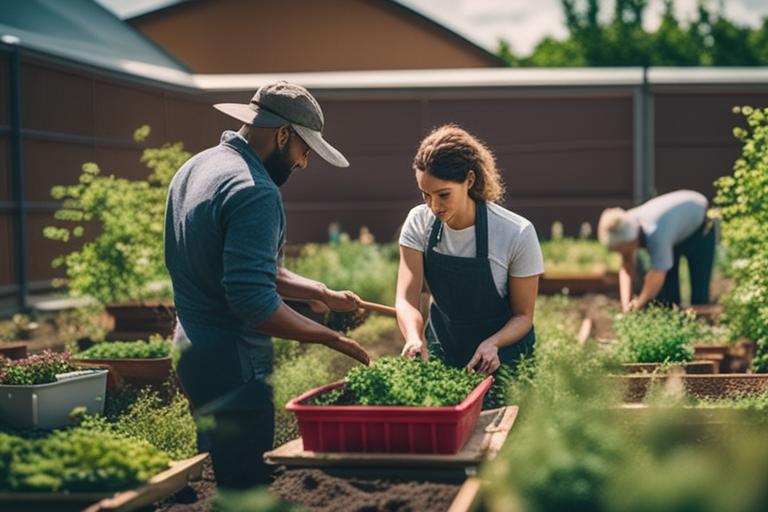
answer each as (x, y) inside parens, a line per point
(415, 348)
(341, 301)
(632, 305)
(486, 358)
(350, 347)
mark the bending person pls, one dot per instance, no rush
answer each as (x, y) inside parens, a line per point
(480, 261)
(668, 226)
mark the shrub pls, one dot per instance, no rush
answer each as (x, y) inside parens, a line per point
(657, 335)
(166, 426)
(742, 204)
(127, 350)
(294, 376)
(367, 269)
(126, 254)
(36, 369)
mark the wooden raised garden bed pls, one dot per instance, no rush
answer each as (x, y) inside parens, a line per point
(13, 350)
(724, 385)
(579, 284)
(160, 486)
(693, 367)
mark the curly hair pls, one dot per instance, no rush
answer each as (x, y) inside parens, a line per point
(450, 152)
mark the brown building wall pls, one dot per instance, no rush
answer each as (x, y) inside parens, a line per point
(565, 153)
(245, 36)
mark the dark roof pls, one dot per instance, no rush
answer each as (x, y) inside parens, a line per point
(171, 5)
(85, 32)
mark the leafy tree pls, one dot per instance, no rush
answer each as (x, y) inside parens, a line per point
(708, 40)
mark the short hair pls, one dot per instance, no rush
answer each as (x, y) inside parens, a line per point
(617, 226)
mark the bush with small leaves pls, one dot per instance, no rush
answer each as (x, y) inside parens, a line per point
(127, 350)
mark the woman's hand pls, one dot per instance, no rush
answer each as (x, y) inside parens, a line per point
(341, 301)
(486, 358)
(415, 348)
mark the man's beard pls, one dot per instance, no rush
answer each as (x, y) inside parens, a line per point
(278, 165)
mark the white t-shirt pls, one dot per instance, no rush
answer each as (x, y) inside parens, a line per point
(513, 247)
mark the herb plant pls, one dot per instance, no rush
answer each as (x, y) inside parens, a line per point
(657, 335)
(127, 350)
(410, 382)
(36, 369)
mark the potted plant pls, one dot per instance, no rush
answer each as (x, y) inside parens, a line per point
(41, 391)
(118, 226)
(135, 362)
(395, 405)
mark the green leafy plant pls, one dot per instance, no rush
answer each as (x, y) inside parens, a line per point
(657, 335)
(410, 382)
(742, 205)
(36, 369)
(127, 350)
(369, 270)
(77, 460)
(124, 255)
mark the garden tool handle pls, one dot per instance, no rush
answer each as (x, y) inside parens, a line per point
(380, 308)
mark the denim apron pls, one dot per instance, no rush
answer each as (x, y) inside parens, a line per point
(466, 306)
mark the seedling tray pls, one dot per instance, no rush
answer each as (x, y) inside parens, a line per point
(386, 429)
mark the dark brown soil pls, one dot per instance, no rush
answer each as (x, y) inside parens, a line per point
(601, 309)
(196, 497)
(320, 491)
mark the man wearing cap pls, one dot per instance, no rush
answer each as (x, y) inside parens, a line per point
(224, 233)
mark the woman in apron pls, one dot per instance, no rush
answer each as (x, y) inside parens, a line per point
(480, 261)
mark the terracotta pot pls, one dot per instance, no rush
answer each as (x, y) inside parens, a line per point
(133, 371)
(134, 321)
(13, 350)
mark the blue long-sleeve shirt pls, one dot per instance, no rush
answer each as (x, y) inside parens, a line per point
(224, 229)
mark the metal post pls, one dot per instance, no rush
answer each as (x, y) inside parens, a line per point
(17, 173)
(643, 172)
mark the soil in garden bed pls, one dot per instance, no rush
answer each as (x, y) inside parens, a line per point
(323, 490)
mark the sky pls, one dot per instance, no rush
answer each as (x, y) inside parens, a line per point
(521, 22)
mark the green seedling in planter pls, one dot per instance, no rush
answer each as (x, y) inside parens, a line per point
(127, 350)
(408, 382)
(657, 335)
(36, 369)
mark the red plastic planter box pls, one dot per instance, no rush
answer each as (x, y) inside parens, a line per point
(355, 428)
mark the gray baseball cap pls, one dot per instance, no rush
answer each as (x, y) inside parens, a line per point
(286, 103)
